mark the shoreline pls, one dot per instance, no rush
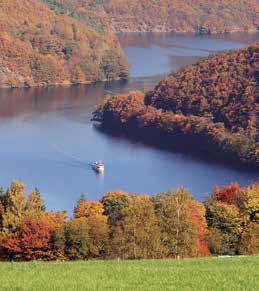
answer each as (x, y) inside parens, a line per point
(63, 84)
(188, 145)
(67, 83)
(121, 31)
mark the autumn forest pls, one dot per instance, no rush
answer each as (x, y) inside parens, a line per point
(206, 109)
(129, 226)
(50, 42)
(210, 105)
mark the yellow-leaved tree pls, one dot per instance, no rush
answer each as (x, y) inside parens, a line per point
(15, 207)
(91, 213)
(136, 232)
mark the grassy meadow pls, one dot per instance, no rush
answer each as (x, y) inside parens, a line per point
(239, 273)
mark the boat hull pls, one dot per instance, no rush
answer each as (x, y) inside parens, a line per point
(98, 169)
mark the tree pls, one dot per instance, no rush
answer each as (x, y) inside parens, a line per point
(231, 213)
(57, 218)
(179, 234)
(77, 75)
(15, 207)
(211, 104)
(226, 219)
(76, 240)
(228, 193)
(197, 213)
(1, 215)
(249, 244)
(214, 240)
(32, 241)
(136, 231)
(249, 203)
(2, 197)
(113, 203)
(59, 242)
(79, 204)
(98, 231)
(87, 209)
(35, 205)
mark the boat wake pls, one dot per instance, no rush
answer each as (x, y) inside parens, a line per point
(71, 157)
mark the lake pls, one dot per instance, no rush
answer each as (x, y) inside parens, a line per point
(48, 141)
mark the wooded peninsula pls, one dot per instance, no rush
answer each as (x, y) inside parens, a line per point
(209, 106)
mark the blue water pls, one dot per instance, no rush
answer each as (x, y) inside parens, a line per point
(48, 141)
(153, 54)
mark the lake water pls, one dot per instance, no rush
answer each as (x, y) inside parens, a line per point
(48, 141)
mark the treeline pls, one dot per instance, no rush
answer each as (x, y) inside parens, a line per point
(201, 16)
(130, 226)
(46, 42)
(209, 105)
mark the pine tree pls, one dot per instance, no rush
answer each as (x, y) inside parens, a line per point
(76, 237)
(35, 205)
(79, 204)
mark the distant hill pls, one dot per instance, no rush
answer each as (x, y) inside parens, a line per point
(49, 42)
(45, 42)
(202, 16)
(208, 106)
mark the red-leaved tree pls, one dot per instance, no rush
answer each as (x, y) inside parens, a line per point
(31, 242)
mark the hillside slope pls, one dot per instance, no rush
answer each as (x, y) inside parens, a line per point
(203, 16)
(220, 86)
(45, 42)
(208, 106)
(49, 43)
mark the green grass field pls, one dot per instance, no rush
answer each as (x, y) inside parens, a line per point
(240, 273)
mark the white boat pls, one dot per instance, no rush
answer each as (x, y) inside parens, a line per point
(98, 166)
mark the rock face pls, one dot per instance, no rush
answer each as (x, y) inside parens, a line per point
(10, 79)
(45, 42)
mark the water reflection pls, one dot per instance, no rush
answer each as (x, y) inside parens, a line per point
(69, 101)
(166, 40)
(47, 139)
(152, 53)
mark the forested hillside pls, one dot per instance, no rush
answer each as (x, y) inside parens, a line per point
(49, 42)
(209, 105)
(46, 42)
(220, 87)
(202, 16)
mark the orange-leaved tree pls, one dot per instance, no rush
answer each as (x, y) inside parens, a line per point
(31, 242)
